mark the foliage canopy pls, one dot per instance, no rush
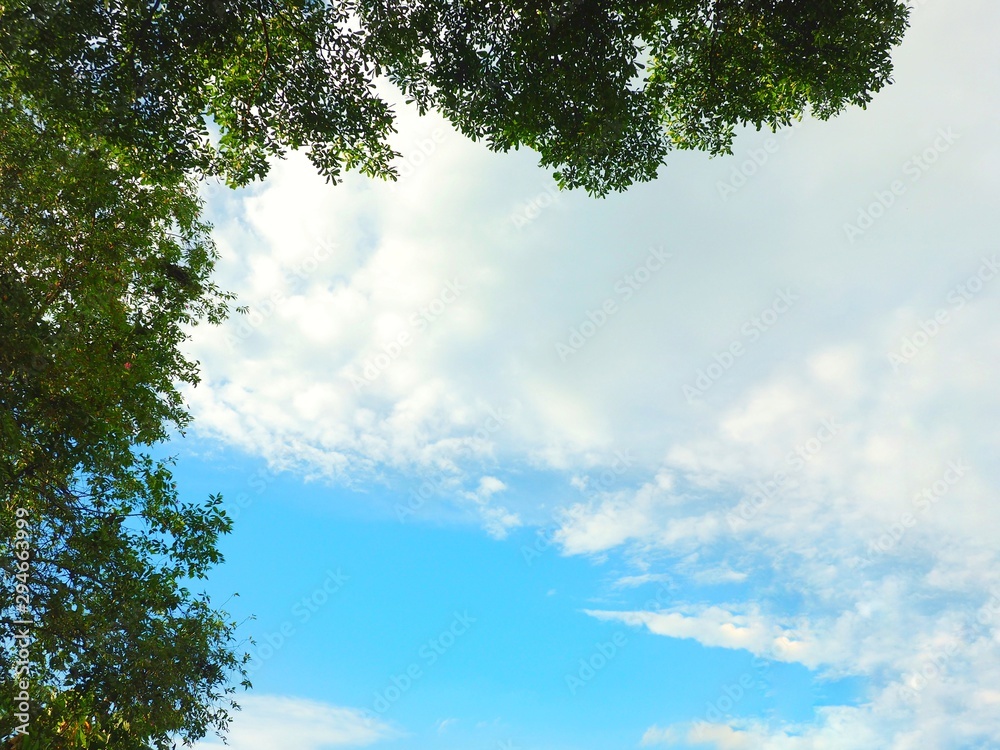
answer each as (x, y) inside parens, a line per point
(99, 276)
(601, 89)
(110, 110)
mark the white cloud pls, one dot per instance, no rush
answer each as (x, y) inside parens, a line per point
(640, 580)
(358, 265)
(806, 456)
(443, 724)
(269, 721)
(882, 723)
(715, 626)
(656, 735)
(883, 532)
(497, 520)
(489, 486)
(719, 575)
(723, 737)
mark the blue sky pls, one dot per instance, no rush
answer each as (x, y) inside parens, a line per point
(376, 595)
(709, 464)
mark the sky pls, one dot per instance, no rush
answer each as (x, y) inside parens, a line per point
(707, 464)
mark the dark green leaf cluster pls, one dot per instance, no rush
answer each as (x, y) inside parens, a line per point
(601, 89)
(215, 86)
(110, 110)
(101, 273)
(604, 89)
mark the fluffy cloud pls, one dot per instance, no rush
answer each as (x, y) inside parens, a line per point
(804, 391)
(884, 533)
(402, 326)
(269, 721)
(497, 520)
(833, 483)
(714, 626)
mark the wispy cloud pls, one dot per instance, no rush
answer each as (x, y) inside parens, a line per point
(269, 721)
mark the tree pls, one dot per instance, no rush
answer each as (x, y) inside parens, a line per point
(604, 89)
(158, 79)
(109, 112)
(100, 274)
(601, 89)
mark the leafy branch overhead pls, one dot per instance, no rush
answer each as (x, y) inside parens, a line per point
(601, 89)
(110, 113)
(99, 276)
